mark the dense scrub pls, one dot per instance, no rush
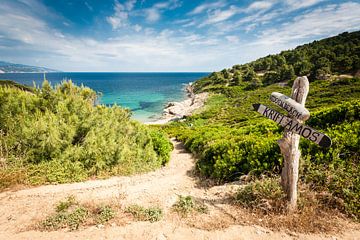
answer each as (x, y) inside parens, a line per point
(231, 139)
(57, 135)
(317, 60)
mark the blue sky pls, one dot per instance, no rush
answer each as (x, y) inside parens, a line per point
(167, 35)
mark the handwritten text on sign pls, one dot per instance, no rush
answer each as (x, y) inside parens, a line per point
(294, 108)
(294, 126)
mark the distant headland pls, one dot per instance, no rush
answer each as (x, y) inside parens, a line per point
(7, 67)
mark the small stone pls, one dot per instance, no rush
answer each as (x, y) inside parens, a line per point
(161, 237)
(100, 226)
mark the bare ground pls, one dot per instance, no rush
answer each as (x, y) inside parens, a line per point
(21, 209)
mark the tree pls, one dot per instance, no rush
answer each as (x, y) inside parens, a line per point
(249, 75)
(303, 68)
(271, 77)
(237, 79)
(287, 73)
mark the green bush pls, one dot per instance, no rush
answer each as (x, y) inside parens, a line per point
(59, 135)
(336, 169)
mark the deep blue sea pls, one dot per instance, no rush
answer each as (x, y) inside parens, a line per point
(144, 93)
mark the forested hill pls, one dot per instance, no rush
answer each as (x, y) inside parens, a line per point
(317, 60)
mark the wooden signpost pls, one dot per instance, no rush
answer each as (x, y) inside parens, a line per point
(293, 129)
(294, 108)
(294, 126)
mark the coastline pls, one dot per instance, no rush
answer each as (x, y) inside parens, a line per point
(174, 111)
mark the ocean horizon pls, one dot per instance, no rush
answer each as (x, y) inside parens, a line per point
(144, 93)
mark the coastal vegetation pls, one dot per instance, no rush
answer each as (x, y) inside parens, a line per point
(232, 140)
(58, 134)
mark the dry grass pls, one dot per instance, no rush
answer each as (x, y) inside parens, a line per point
(263, 204)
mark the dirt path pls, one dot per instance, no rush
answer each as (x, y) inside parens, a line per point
(20, 209)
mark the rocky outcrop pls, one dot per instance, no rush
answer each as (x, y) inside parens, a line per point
(178, 110)
(185, 108)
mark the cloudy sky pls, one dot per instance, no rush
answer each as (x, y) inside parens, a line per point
(167, 35)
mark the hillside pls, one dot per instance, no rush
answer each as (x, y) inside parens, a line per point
(6, 67)
(233, 141)
(318, 60)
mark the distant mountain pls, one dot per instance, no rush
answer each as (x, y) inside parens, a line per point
(6, 67)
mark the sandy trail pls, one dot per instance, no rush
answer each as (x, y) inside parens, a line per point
(21, 209)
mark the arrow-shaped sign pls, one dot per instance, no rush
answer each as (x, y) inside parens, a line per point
(294, 108)
(294, 126)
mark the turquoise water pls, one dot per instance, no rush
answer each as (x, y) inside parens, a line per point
(144, 93)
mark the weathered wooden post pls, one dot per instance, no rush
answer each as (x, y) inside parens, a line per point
(289, 146)
(293, 129)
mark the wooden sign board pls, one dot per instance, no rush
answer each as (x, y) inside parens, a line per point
(294, 108)
(294, 126)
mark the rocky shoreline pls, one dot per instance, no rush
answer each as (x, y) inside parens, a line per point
(174, 111)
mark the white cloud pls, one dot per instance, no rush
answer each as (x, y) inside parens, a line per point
(233, 39)
(121, 14)
(298, 4)
(260, 5)
(153, 14)
(319, 22)
(137, 28)
(220, 16)
(207, 6)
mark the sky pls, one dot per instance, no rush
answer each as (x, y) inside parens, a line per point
(163, 36)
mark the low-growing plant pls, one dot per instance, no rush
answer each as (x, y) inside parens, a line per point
(72, 215)
(66, 219)
(152, 214)
(187, 204)
(64, 205)
(105, 214)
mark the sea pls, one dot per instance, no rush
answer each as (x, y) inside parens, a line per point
(145, 94)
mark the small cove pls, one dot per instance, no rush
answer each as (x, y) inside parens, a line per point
(145, 94)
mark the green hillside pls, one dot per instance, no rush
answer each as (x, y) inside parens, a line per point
(317, 60)
(231, 139)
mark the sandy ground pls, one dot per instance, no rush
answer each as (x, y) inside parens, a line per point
(21, 209)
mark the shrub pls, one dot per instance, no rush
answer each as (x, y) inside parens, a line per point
(58, 135)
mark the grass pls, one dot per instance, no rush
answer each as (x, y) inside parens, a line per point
(187, 205)
(71, 215)
(140, 213)
(265, 195)
(264, 204)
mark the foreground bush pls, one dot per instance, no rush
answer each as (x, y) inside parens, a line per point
(58, 135)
